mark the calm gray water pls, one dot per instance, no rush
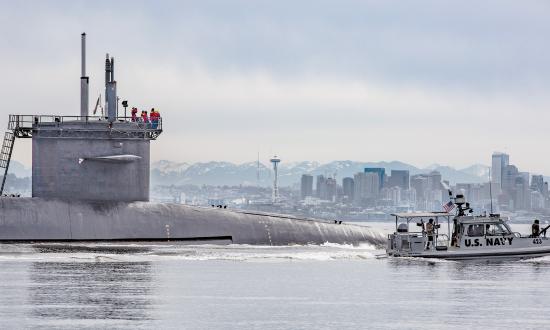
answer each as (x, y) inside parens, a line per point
(242, 287)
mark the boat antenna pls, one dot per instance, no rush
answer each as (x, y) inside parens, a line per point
(491, 190)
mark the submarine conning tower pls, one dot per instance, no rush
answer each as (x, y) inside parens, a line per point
(93, 158)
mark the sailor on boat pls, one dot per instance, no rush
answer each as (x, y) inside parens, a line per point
(535, 228)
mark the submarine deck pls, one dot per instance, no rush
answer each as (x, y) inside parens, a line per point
(25, 126)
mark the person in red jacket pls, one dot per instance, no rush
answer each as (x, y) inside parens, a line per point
(154, 118)
(144, 117)
(134, 114)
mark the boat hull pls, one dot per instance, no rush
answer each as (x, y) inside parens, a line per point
(38, 219)
(511, 254)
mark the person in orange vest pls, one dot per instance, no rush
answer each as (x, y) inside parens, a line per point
(134, 114)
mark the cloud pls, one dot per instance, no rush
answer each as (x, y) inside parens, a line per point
(419, 81)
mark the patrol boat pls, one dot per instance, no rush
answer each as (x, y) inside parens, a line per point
(467, 236)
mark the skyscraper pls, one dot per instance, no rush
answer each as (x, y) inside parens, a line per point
(508, 179)
(326, 188)
(380, 171)
(373, 184)
(537, 183)
(360, 187)
(348, 186)
(330, 190)
(498, 165)
(434, 180)
(306, 186)
(320, 186)
(420, 185)
(399, 178)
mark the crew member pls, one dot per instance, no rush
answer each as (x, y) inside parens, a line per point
(144, 117)
(157, 116)
(134, 114)
(154, 118)
(430, 232)
(535, 228)
(423, 225)
(454, 239)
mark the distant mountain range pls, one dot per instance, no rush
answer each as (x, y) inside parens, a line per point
(166, 172)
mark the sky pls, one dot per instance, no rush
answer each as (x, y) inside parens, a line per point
(422, 82)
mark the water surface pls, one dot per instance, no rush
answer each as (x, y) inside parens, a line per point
(170, 286)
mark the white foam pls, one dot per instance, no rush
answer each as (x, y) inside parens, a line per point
(71, 253)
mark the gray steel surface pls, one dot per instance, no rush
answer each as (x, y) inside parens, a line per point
(64, 167)
(39, 219)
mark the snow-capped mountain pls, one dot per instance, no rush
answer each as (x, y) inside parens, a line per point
(226, 173)
(166, 167)
(479, 170)
(212, 173)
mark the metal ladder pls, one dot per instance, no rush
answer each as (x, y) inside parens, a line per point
(5, 156)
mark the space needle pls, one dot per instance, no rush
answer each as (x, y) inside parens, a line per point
(275, 196)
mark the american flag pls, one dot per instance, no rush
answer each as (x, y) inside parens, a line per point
(449, 206)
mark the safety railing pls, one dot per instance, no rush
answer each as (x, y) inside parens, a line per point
(28, 122)
(442, 240)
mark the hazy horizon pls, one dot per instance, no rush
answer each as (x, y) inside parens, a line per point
(423, 82)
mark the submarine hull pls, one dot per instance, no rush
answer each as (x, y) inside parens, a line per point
(39, 219)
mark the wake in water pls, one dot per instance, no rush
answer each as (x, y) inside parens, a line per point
(109, 252)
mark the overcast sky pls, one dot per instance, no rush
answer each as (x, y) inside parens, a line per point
(418, 81)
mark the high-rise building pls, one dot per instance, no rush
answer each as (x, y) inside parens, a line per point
(508, 179)
(515, 188)
(399, 178)
(367, 186)
(537, 183)
(373, 184)
(330, 190)
(320, 186)
(434, 180)
(537, 200)
(420, 185)
(525, 191)
(380, 171)
(360, 187)
(306, 186)
(326, 188)
(393, 194)
(498, 166)
(348, 186)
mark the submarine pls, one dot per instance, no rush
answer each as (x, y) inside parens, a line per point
(90, 182)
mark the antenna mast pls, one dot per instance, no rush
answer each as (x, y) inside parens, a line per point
(491, 189)
(84, 81)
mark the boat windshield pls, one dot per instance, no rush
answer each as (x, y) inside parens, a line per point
(496, 229)
(475, 230)
(492, 229)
